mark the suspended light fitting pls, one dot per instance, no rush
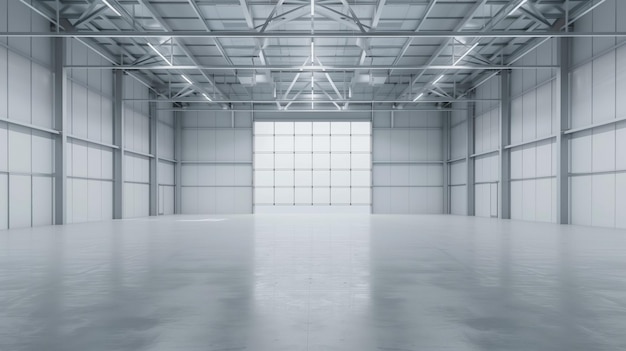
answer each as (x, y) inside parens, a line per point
(160, 54)
(112, 8)
(186, 79)
(518, 7)
(465, 54)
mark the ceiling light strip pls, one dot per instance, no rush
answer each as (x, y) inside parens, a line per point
(160, 54)
(518, 7)
(112, 8)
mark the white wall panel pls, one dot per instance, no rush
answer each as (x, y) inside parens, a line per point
(581, 96)
(581, 152)
(25, 96)
(458, 140)
(4, 74)
(19, 149)
(19, 97)
(20, 204)
(42, 152)
(604, 88)
(620, 200)
(620, 145)
(580, 207)
(42, 201)
(458, 200)
(603, 149)
(411, 186)
(598, 154)
(620, 82)
(224, 186)
(4, 201)
(42, 95)
(458, 173)
(166, 200)
(603, 200)
(79, 110)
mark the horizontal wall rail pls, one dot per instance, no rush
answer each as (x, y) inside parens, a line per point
(530, 142)
(29, 125)
(484, 153)
(90, 141)
(130, 152)
(594, 125)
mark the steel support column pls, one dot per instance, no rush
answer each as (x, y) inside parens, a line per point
(178, 133)
(469, 160)
(154, 161)
(562, 140)
(118, 140)
(446, 164)
(60, 145)
(504, 192)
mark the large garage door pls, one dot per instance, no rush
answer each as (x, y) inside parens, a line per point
(312, 166)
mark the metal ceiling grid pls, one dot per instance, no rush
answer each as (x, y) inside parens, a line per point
(362, 49)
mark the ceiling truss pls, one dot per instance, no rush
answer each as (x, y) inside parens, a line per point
(376, 51)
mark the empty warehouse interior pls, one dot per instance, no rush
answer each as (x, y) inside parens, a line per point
(312, 175)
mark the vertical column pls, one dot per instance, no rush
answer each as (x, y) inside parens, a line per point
(118, 140)
(154, 151)
(446, 165)
(562, 141)
(178, 171)
(60, 145)
(469, 160)
(504, 193)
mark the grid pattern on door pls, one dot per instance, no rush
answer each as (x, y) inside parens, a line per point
(312, 163)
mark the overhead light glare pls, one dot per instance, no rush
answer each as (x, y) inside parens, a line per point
(186, 79)
(418, 97)
(465, 54)
(438, 79)
(350, 92)
(518, 7)
(112, 8)
(312, 51)
(312, 8)
(160, 54)
(206, 97)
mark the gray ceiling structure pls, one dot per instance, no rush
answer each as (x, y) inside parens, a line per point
(339, 54)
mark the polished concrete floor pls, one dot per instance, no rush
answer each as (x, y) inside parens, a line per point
(313, 282)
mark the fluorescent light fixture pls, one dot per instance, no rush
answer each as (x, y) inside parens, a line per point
(206, 97)
(350, 92)
(186, 79)
(112, 8)
(438, 79)
(518, 6)
(418, 97)
(312, 80)
(160, 54)
(275, 92)
(465, 54)
(312, 51)
(312, 8)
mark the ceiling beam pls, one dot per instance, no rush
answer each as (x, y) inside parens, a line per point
(286, 68)
(317, 34)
